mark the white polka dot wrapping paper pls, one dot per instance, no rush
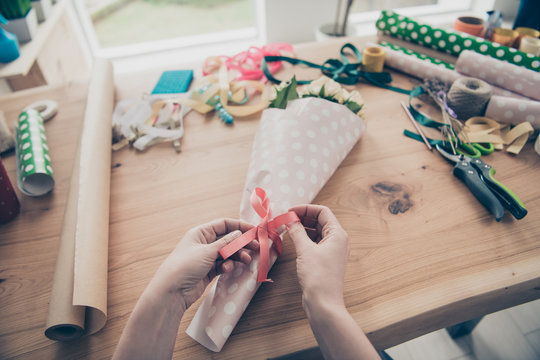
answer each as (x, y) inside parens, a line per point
(295, 151)
(423, 69)
(514, 111)
(500, 73)
(34, 170)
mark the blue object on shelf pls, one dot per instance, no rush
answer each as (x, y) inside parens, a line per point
(9, 46)
(173, 82)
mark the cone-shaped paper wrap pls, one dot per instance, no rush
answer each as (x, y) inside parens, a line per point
(295, 151)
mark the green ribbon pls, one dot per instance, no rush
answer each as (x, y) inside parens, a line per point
(342, 71)
(451, 42)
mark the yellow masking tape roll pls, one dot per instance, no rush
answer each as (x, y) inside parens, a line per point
(373, 59)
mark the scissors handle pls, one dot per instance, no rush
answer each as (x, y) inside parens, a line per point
(508, 199)
(470, 176)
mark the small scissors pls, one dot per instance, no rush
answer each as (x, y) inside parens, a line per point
(478, 176)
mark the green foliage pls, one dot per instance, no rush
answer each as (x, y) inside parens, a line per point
(13, 9)
(285, 94)
(194, 3)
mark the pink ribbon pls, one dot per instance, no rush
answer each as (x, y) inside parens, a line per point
(248, 63)
(262, 232)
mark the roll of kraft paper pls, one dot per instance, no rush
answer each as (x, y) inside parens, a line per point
(500, 73)
(452, 42)
(514, 111)
(78, 304)
(34, 171)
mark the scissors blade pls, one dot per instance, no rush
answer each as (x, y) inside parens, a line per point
(451, 157)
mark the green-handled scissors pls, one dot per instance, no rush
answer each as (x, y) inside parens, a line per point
(479, 178)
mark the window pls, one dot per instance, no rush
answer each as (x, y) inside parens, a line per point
(138, 26)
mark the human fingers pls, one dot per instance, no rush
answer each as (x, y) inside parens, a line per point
(226, 239)
(215, 229)
(298, 235)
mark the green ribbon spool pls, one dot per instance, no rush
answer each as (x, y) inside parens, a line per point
(34, 170)
(451, 42)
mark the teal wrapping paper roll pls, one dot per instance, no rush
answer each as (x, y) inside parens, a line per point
(451, 42)
(34, 171)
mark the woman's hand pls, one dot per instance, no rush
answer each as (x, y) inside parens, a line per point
(195, 261)
(321, 255)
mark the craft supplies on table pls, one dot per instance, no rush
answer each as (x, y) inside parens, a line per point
(452, 42)
(78, 303)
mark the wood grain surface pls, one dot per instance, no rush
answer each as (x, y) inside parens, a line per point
(424, 254)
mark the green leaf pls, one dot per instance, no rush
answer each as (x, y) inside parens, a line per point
(284, 95)
(354, 107)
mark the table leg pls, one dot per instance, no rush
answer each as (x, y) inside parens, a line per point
(463, 328)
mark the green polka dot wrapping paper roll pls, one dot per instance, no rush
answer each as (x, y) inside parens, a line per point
(34, 170)
(449, 41)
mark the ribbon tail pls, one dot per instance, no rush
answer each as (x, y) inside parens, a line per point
(264, 259)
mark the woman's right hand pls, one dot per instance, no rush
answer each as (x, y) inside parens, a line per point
(321, 255)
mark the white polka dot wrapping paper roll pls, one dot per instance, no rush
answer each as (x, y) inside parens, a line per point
(418, 67)
(422, 69)
(295, 152)
(500, 73)
(514, 111)
(34, 170)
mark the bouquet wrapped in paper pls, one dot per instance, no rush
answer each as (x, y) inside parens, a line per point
(300, 142)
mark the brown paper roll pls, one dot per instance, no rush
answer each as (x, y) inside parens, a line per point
(78, 304)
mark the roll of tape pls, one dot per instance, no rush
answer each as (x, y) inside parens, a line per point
(46, 108)
(468, 97)
(530, 45)
(373, 59)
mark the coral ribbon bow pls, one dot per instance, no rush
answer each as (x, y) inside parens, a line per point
(266, 229)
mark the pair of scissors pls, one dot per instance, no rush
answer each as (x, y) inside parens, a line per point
(473, 150)
(478, 176)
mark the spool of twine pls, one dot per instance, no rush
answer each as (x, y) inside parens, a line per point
(468, 97)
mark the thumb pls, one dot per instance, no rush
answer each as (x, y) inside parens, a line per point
(218, 244)
(298, 234)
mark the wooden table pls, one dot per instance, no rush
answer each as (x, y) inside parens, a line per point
(441, 261)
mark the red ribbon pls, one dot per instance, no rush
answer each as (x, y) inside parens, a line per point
(262, 232)
(248, 63)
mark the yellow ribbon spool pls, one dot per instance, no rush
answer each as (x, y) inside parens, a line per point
(373, 59)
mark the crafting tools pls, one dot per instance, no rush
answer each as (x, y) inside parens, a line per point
(173, 82)
(406, 108)
(478, 176)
